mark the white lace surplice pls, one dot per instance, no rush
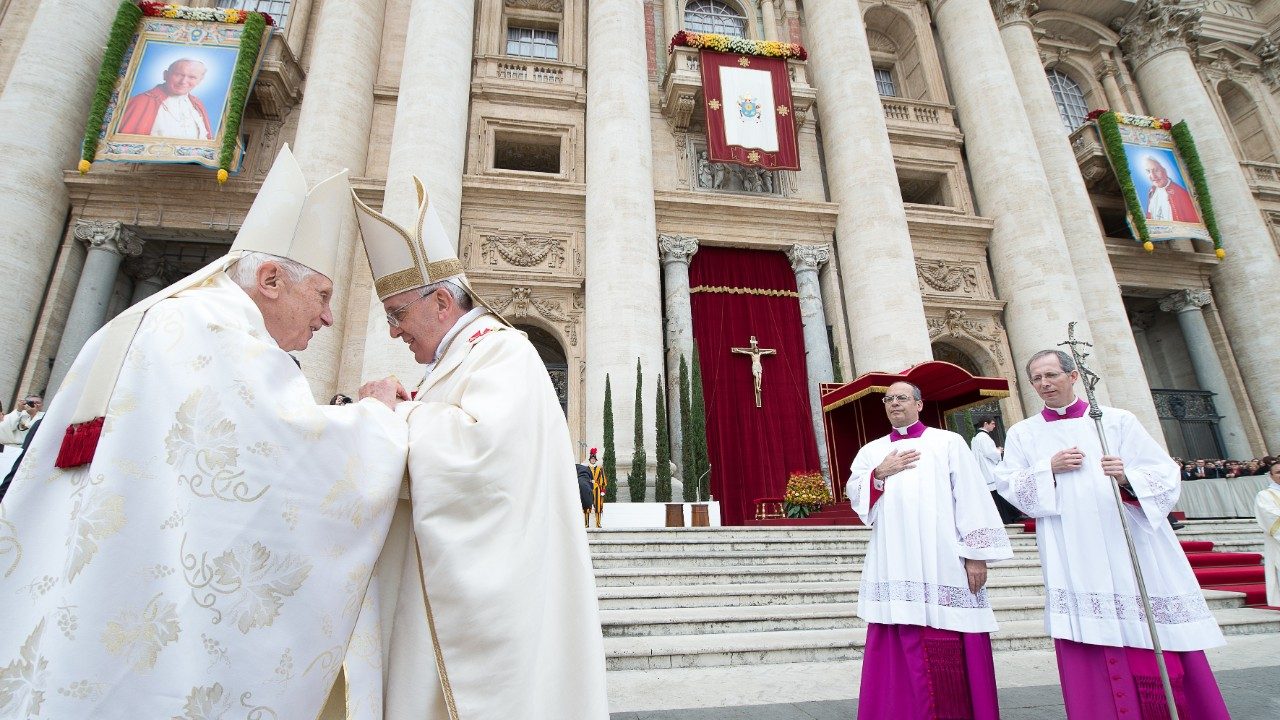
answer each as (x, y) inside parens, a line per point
(929, 519)
(1267, 512)
(1091, 596)
(212, 560)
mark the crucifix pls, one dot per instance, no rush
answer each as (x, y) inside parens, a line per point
(757, 371)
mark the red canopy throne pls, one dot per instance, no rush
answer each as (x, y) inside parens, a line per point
(853, 412)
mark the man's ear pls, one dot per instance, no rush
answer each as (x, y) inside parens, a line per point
(270, 280)
(442, 299)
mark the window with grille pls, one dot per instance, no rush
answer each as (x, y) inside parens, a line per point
(277, 9)
(533, 42)
(1070, 99)
(710, 16)
(884, 83)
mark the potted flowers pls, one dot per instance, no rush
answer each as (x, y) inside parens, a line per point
(806, 493)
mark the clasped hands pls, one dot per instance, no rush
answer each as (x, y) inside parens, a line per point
(388, 391)
(1073, 459)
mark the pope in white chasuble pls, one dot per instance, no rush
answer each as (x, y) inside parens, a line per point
(207, 553)
(489, 603)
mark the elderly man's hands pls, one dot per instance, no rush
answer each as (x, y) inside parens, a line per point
(388, 391)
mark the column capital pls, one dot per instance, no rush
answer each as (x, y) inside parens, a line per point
(1011, 12)
(808, 257)
(146, 265)
(1108, 68)
(1159, 26)
(677, 248)
(109, 235)
(1185, 300)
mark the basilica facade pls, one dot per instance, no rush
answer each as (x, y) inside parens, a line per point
(954, 202)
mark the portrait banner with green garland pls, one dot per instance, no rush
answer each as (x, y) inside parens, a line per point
(173, 86)
(1160, 177)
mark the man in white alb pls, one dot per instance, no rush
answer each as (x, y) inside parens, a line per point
(934, 529)
(988, 455)
(1054, 471)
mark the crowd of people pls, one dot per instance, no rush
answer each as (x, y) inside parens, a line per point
(1202, 468)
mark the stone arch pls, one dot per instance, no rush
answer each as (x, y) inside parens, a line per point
(895, 45)
(963, 422)
(1244, 118)
(744, 9)
(1076, 46)
(552, 353)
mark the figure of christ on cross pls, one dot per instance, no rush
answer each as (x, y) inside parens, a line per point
(757, 370)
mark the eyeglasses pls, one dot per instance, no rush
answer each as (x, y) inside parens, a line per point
(393, 317)
(904, 399)
(1050, 376)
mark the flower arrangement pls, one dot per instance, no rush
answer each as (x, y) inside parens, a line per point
(181, 12)
(725, 43)
(1109, 128)
(806, 492)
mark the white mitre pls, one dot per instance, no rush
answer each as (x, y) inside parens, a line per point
(287, 219)
(402, 260)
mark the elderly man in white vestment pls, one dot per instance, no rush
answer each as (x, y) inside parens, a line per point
(1054, 471)
(934, 528)
(489, 602)
(191, 535)
(1267, 510)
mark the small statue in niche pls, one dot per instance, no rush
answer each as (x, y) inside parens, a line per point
(704, 170)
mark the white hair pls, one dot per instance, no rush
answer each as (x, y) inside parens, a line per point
(459, 293)
(187, 60)
(244, 272)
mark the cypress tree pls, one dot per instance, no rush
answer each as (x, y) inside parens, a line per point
(689, 477)
(609, 463)
(662, 480)
(636, 478)
(697, 409)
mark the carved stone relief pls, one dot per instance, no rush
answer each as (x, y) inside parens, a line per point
(947, 277)
(1160, 25)
(521, 251)
(728, 177)
(547, 5)
(987, 332)
(521, 302)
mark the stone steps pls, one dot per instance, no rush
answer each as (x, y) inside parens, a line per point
(792, 646)
(685, 597)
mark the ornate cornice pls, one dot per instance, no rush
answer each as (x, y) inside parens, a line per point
(109, 235)
(677, 248)
(808, 257)
(547, 5)
(1160, 26)
(1011, 12)
(1185, 300)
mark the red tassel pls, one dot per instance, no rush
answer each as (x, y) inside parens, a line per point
(79, 444)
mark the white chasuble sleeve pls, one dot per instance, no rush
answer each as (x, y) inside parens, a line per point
(214, 555)
(979, 532)
(860, 485)
(1024, 478)
(510, 598)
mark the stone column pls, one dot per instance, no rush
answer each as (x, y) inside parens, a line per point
(791, 14)
(672, 19)
(624, 296)
(769, 16)
(1188, 304)
(333, 133)
(1029, 257)
(876, 257)
(1156, 43)
(805, 260)
(677, 251)
(430, 141)
(147, 270)
(109, 242)
(1115, 349)
(1110, 86)
(42, 114)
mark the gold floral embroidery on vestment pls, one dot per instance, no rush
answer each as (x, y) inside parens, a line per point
(22, 679)
(96, 516)
(247, 583)
(9, 544)
(139, 635)
(202, 442)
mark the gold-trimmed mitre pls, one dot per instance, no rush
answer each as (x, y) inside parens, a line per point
(402, 260)
(290, 220)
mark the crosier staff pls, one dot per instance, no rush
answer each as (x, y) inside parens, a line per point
(1090, 380)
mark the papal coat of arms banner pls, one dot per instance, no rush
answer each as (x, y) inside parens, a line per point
(749, 110)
